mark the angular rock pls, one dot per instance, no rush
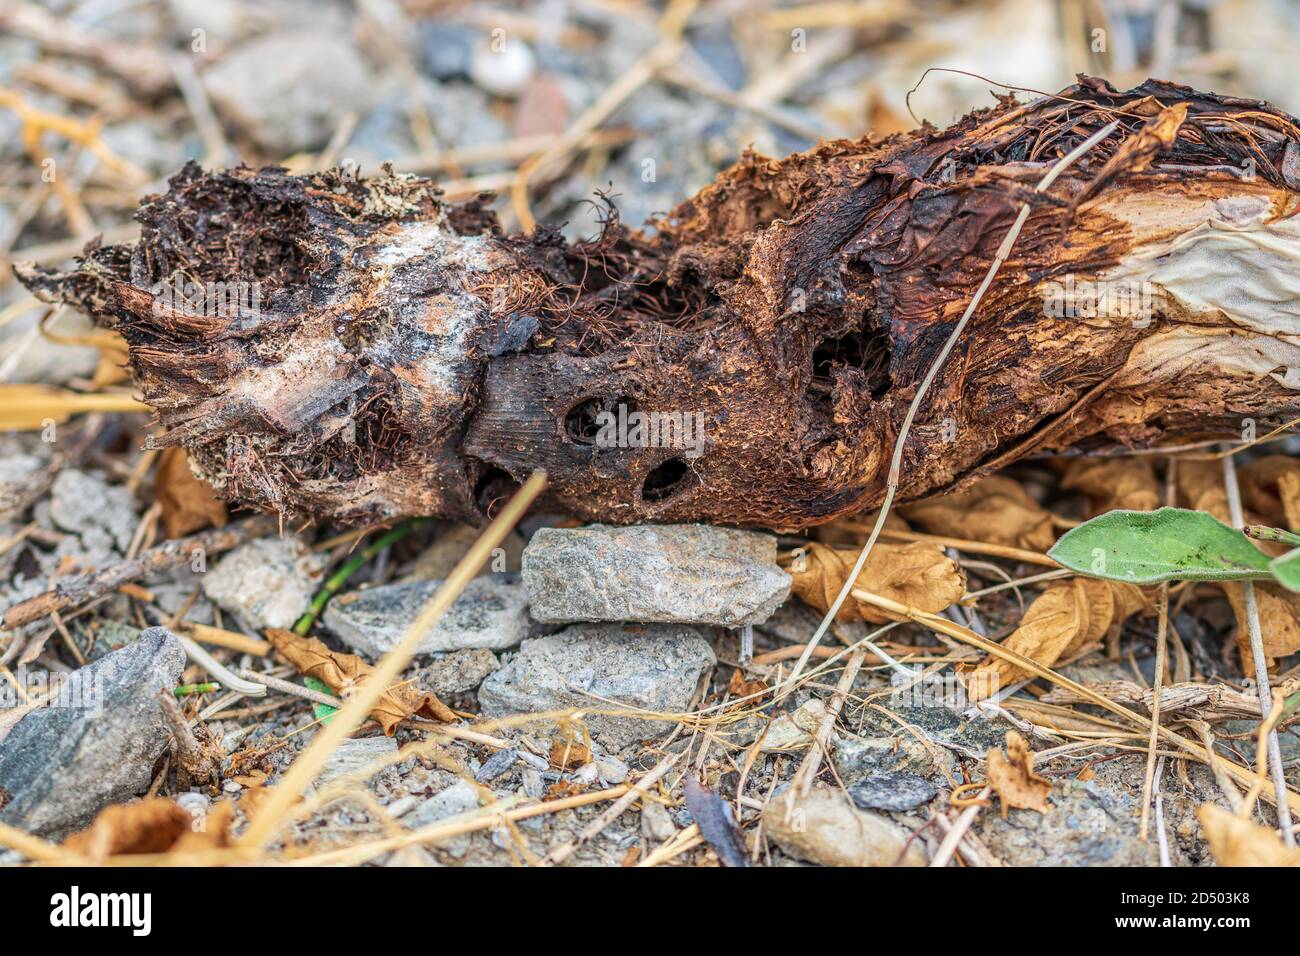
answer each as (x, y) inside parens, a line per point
(491, 612)
(459, 671)
(823, 827)
(268, 582)
(352, 755)
(1087, 825)
(287, 90)
(496, 765)
(656, 667)
(858, 758)
(94, 510)
(656, 822)
(669, 574)
(892, 791)
(795, 730)
(95, 744)
(461, 797)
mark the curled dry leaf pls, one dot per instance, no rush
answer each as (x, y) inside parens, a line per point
(152, 825)
(995, 510)
(1279, 618)
(343, 673)
(1061, 620)
(1238, 842)
(918, 574)
(1013, 779)
(567, 754)
(1271, 487)
(188, 504)
(1112, 484)
(739, 687)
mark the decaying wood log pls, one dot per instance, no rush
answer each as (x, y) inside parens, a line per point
(399, 355)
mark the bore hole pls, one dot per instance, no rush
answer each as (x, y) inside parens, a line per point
(868, 356)
(493, 489)
(665, 480)
(582, 423)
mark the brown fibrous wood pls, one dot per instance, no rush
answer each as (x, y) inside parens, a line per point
(405, 356)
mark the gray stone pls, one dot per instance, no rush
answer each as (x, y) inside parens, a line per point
(446, 48)
(857, 758)
(89, 507)
(656, 822)
(612, 771)
(824, 827)
(670, 574)
(32, 357)
(459, 671)
(656, 667)
(287, 90)
(892, 791)
(496, 765)
(460, 797)
(795, 730)
(491, 613)
(95, 744)
(1086, 826)
(352, 755)
(268, 582)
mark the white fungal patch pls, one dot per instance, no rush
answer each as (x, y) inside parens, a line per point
(451, 317)
(1231, 261)
(1230, 267)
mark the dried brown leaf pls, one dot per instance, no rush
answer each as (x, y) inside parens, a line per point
(995, 510)
(1270, 486)
(344, 673)
(568, 754)
(739, 687)
(1279, 619)
(1111, 484)
(152, 825)
(1238, 842)
(1013, 779)
(188, 504)
(918, 574)
(1200, 487)
(1061, 620)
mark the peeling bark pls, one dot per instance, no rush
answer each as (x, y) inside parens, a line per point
(405, 357)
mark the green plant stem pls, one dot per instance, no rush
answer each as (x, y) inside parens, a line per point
(1262, 532)
(335, 582)
(186, 690)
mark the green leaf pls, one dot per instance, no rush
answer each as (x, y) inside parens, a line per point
(1170, 544)
(1287, 570)
(324, 713)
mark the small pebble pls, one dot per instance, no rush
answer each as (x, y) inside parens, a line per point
(502, 67)
(496, 765)
(892, 791)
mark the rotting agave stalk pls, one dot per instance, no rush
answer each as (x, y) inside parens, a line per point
(405, 357)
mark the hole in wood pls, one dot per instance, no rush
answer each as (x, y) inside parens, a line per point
(665, 480)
